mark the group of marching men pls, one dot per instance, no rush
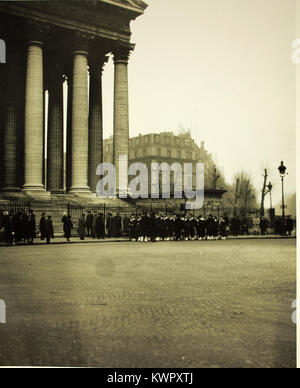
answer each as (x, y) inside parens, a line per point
(160, 227)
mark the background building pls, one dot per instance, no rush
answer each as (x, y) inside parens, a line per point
(169, 148)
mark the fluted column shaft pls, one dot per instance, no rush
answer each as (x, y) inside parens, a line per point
(121, 114)
(69, 131)
(95, 120)
(11, 159)
(34, 119)
(80, 130)
(55, 155)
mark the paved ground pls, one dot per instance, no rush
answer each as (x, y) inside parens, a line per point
(187, 304)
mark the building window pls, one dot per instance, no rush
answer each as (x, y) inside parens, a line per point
(188, 155)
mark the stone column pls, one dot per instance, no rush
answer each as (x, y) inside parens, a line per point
(80, 128)
(95, 118)
(121, 114)
(2, 111)
(11, 122)
(34, 117)
(55, 153)
(69, 131)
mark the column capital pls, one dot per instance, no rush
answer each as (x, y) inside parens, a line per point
(122, 51)
(97, 63)
(37, 31)
(82, 42)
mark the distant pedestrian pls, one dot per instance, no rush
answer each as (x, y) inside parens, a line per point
(68, 227)
(289, 225)
(100, 227)
(110, 225)
(49, 229)
(43, 227)
(95, 215)
(81, 227)
(118, 225)
(31, 228)
(264, 224)
(89, 223)
(7, 224)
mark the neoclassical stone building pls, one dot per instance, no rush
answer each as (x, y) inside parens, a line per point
(48, 43)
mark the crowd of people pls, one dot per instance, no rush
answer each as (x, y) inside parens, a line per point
(156, 227)
(21, 227)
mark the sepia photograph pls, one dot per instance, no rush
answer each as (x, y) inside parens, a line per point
(148, 212)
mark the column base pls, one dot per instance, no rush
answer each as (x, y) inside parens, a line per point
(35, 191)
(58, 192)
(80, 191)
(11, 189)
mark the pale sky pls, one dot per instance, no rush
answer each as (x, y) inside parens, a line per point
(223, 69)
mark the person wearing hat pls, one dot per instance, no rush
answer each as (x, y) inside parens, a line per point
(7, 224)
(43, 226)
(49, 229)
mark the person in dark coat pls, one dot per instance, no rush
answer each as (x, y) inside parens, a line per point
(118, 225)
(43, 227)
(126, 222)
(17, 227)
(223, 228)
(133, 227)
(81, 227)
(109, 225)
(289, 225)
(68, 227)
(210, 227)
(178, 227)
(201, 228)
(7, 224)
(264, 224)
(153, 229)
(49, 229)
(95, 215)
(89, 223)
(25, 227)
(100, 227)
(31, 228)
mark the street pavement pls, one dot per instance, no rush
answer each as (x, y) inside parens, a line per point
(173, 304)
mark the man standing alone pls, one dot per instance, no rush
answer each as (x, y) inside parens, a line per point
(49, 230)
(43, 227)
(89, 223)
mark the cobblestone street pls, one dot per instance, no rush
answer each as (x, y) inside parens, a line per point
(187, 304)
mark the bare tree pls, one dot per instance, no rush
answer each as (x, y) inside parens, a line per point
(263, 194)
(242, 194)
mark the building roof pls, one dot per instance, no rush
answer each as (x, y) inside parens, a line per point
(137, 5)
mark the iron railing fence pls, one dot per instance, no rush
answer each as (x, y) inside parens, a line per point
(76, 210)
(15, 207)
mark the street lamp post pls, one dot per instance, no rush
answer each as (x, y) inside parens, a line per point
(282, 170)
(270, 188)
